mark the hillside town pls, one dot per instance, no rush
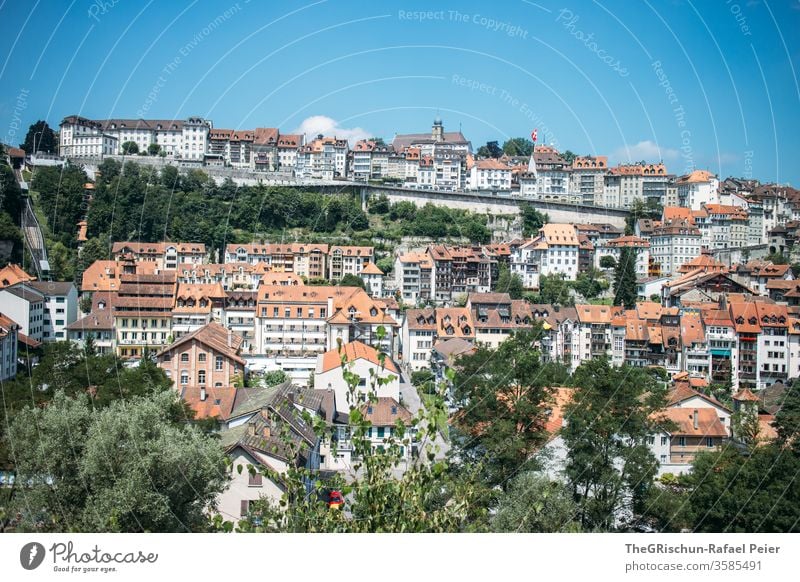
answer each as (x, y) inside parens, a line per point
(699, 284)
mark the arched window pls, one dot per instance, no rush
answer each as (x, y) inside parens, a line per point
(184, 378)
(201, 377)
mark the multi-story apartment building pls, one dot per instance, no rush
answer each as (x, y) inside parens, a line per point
(418, 335)
(459, 270)
(323, 158)
(98, 325)
(626, 183)
(165, 255)
(61, 307)
(370, 160)
(346, 260)
(489, 174)
(413, 277)
(697, 188)
(548, 177)
(143, 313)
(673, 243)
(373, 279)
(288, 145)
(83, 138)
(722, 226)
(720, 334)
(496, 316)
(26, 306)
(305, 321)
(553, 252)
(208, 357)
(195, 306)
(8, 347)
(239, 316)
(587, 178)
(305, 260)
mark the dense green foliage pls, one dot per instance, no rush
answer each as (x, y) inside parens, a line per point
(535, 504)
(532, 219)
(518, 146)
(66, 367)
(84, 475)
(509, 283)
(625, 291)
(609, 465)
(44, 137)
(504, 395)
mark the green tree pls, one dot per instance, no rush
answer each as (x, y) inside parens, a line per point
(62, 264)
(385, 264)
(503, 395)
(379, 204)
(609, 466)
(568, 156)
(590, 283)
(756, 492)
(132, 467)
(153, 149)
(532, 219)
(130, 148)
(509, 283)
(608, 262)
(9, 233)
(777, 258)
(275, 377)
(490, 150)
(518, 146)
(787, 419)
(555, 290)
(44, 137)
(535, 504)
(350, 280)
(625, 291)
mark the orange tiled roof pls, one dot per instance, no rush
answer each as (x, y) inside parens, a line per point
(708, 422)
(12, 274)
(351, 352)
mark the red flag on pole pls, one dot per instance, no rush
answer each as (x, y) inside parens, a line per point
(533, 134)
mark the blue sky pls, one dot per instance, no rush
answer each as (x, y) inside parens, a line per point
(699, 84)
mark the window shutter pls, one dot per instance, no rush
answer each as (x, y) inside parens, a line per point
(255, 479)
(245, 507)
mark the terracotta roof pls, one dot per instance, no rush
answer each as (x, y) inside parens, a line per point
(97, 320)
(704, 262)
(218, 401)
(708, 422)
(627, 241)
(562, 396)
(744, 395)
(371, 269)
(454, 322)
(216, 337)
(12, 274)
(421, 319)
(692, 329)
(636, 330)
(695, 177)
(385, 412)
(639, 170)
(351, 352)
(597, 314)
(677, 213)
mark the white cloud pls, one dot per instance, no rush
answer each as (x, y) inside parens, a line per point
(646, 150)
(321, 124)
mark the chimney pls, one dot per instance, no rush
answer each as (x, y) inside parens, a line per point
(695, 418)
(290, 398)
(266, 432)
(251, 428)
(203, 394)
(265, 413)
(230, 338)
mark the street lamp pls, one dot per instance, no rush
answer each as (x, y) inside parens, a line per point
(33, 153)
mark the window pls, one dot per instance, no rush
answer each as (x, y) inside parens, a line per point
(245, 507)
(682, 441)
(184, 378)
(254, 479)
(709, 442)
(381, 432)
(218, 363)
(201, 357)
(184, 357)
(201, 377)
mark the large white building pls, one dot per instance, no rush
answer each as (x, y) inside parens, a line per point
(323, 158)
(553, 252)
(613, 248)
(61, 307)
(674, 243)
(413, 273)
(489, 174)
(179, 139)
(626, 183)
(364, 361)
(26, 306)
(8, 347)
(697, 188)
